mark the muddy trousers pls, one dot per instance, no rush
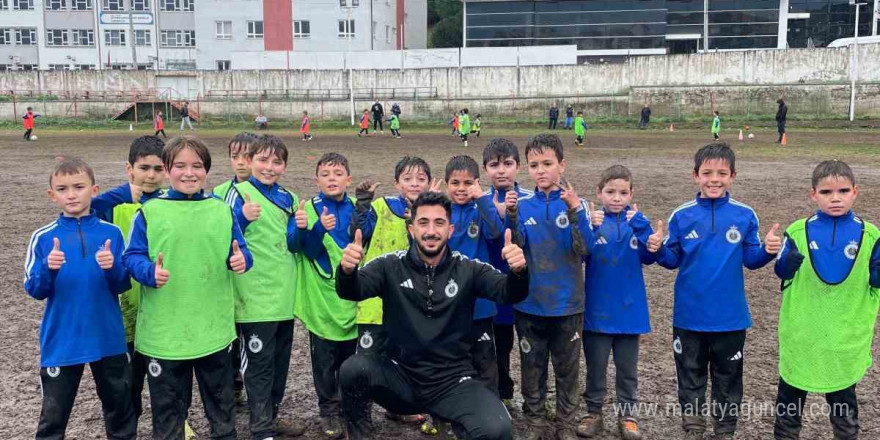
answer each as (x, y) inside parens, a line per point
(265, 361)
(483, 353)
(543, 339)
(138, 377)
(699, 355)
(843, 409)
(327, 358)
(503, 347)
(113, 383)
(171, 393)
(472, 409)
(597, 348)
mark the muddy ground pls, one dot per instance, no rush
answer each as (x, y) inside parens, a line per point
(773, 180)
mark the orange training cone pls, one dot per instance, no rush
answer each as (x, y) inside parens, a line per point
(784, 139)
(740, 135)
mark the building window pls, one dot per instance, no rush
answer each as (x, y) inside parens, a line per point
(26, 36)
(114, 37)
(373, 27)
(387, 34)
(82, 37)
(224, 30)
(176, 38)
(4, 4)
(143, 37)
(346, 3)
(81, 5)
(56, 37)
(301, 29)
(223, 65)
(55, 5)
(58, 67)
(113, 5)
(5, 36)
(346, 28)
(23, 5)
(141, 5)
(255, 29)
(177, 5)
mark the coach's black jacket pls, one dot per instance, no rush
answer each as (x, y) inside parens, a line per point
(428, 311)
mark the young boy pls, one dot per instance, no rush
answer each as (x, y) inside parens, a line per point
(464, 125)
(394, 123)
(829, 305)
(554, 229)
(238, 159)
(185, 271)
(146, 175)
(716, 126)
(709, 240)
(365, 124)
(477, 124)
(475, 222)
(454, 123)
(383, 226)
(28, 122)
(75, 264)
(159, 125)
(329, 319)
(501, 163)
(580, 129)
(306, 127)
(264, 297)
(616, 307)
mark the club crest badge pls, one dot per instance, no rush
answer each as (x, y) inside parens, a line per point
(562, 220)
(366, 340)
(525, 346)
(154, 368)
(53, 371)
(255, 345)
(634, 243)
(473, 230)
(851, 250)
(451, 288)
(733, 235)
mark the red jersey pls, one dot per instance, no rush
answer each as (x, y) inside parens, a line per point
(306, 125)
(28, 120)
(158, 123)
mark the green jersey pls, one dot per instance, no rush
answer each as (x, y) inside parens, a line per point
(318, 306)
(222, 189)
(265, 293)
(826, 331)
(193, 315)
(395, 122)
(579, 126)
(716, 125)
(464, 124)
(123, 215)
(389, 235)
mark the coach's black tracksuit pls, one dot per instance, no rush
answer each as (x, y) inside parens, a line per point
(428, 316)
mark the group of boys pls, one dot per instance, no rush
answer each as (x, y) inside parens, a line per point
(248, 267)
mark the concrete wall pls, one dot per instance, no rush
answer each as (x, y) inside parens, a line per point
(735, 82)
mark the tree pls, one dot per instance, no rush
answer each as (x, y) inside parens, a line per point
(444, 23)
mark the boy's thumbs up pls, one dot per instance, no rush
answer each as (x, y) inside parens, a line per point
(774, 229)
(236, 261)
(235, 248)
(358, 237)
(773, 242)
(656, 239)
(105, 256)
(107, 245)
(247, 198)
(56, 257)
(302, 203)
(324, 211)
(159, 259)
(56, 244)
(160, 273)
(508, 237)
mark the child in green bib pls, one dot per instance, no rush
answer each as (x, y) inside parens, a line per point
(238, 161)
(830, 270)
(186, 315)
(329, 319)
(265, 296)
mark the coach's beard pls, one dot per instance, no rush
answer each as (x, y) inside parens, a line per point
(429, 253)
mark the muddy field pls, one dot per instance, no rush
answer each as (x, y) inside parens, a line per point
(773, 180)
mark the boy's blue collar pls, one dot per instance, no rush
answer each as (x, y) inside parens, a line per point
(174, 194)
(554, 194)
(329, 200)
(88, 219)
(260, 185)
(703, 201)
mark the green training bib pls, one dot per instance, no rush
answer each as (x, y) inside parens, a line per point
(389, 235)
(193, 315)
(128, 302)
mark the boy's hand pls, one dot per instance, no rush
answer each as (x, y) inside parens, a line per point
(436, 185)
(136, 193)
(632, 212)
(366, 191)
(793, 261)
(475, 191)
(56, 257)
(237, 261)
(510, 201)
(597, 216)
(105, 257)
(161, 274)
(407, 212)
(251, 210)
(302, 219)
(656, 239)
(512, 253)
(328, 220)
(773, 242)
(568, 195)
(353, 253)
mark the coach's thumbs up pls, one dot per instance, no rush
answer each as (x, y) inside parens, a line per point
(251, 210)
(512, 253)
(353, 253)
(105, 256)
(656, 239)
(302, 219)
(161, 274)
(56, 257)
(328, 220)
(236, 261)
(773, 242)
